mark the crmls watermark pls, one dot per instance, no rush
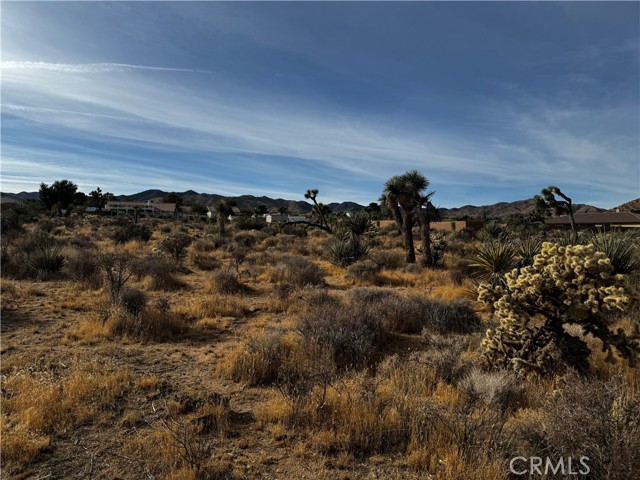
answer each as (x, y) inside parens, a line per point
(549, 466)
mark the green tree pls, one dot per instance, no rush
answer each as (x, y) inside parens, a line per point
(199, 209)
(173, 198)
(98, 199)
(261, 210)
(59, 196)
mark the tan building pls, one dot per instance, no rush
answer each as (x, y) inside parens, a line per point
(600, 220)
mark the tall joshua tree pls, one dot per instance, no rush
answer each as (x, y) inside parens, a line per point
(406, 191)
(549, 201)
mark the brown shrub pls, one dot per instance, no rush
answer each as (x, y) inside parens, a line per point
(224, 281)
(298, 271)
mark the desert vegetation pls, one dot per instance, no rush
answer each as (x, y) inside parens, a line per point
(335, 348)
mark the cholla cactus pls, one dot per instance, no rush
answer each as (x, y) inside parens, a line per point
(565, 285)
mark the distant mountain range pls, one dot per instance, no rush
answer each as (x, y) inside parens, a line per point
(498, 210)
(504, 209)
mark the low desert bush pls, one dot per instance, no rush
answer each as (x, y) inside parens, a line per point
(160, 270)
(224, 281)
(133, 300)
(259, 360)
(500, 388)
(84, 268)
(451, 316)
(444, 355)
(148, 324)
(298, 271)
(387, 260)
(176, 245)
(366, 270)
(348, 333)
(204, 262)
(599, 419)
(129, 232)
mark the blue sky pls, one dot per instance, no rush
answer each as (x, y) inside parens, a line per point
(491, 101)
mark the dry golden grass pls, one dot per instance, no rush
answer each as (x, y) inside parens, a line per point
(141, 386)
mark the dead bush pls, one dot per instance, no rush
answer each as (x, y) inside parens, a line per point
(500, 388)
(149, 324)
(259, 360)
(444, 354)
(350, 334)
(599, 419)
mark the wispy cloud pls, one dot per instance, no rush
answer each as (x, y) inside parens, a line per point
(89, 67)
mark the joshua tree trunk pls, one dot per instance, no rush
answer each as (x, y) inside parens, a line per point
(221, 223)
(407, 228)
(425, 233)
(395, 213)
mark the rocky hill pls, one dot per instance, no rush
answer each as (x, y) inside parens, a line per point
(505, 209)
(632, 206)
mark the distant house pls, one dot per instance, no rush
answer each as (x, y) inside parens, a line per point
(149, 209)
(211, 212)
(92, 210)
(277, 218)
(600, 220)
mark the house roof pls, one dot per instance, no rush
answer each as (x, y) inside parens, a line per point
(600, 218)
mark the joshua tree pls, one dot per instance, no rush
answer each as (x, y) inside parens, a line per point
(548, 201)
(223, 209)
(321, 210)
(406, 193)
(390, 201)
(425, 215)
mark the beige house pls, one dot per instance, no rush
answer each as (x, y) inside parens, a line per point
(148, 209)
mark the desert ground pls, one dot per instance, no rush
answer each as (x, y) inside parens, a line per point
(164, 349)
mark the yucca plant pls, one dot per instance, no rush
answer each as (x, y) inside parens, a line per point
(343, 251)
(620, 248)
(526, 249)
(46, 256)
(358, 224)
(492, 232)
(492, 260)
